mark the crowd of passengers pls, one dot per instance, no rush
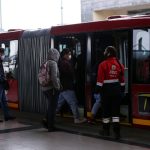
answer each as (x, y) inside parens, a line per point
(109, 88)
(57, 79)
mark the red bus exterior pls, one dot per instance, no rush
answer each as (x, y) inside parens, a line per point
(11, 35)
(12, 93)
(112, 24)
(138, 91)
(125, 23)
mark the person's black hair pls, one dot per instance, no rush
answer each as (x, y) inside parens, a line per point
(111, 50)
(65, 51)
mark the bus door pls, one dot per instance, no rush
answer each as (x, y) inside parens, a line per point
(123, 40)
(141, 77)
(10, 69)
(120, 40)
(77, 44)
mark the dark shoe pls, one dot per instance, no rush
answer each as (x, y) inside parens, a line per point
(104, 133)
(116, 128)
(53, 129)
(117, 136)
(106, 129)
(44, 123)
(92, 121)
(10, 118)
(1, 120)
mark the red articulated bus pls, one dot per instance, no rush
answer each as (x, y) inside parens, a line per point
(130, 35)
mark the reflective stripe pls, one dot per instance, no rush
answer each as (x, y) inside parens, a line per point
(106, 120)
(111, 81)
(99, 84)
(122, 84)
(115, 119)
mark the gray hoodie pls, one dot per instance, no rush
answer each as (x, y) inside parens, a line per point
(52, 58)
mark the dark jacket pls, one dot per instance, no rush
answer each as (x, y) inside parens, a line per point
(66, 74)
(2, 75)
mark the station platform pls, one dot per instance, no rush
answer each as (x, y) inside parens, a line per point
(29, 123)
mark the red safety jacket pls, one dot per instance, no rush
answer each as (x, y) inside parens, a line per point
(110, 71)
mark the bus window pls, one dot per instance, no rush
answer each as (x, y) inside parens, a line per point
(72, 42)
(141, 56)
(61, 47)
(10, 61)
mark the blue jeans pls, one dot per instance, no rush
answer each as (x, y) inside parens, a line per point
(3, 102)
(70, 97)
(97, 104)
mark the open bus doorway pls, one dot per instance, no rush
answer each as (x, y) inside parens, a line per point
(119, 39)
(77, 45)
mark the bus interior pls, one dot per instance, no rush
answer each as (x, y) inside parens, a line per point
(86, 62)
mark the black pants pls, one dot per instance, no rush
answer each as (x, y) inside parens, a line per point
(111, 97)
(52, 98)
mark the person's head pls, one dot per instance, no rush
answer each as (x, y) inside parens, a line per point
(110, 51)
(53, 54)
(66, 53)
(1, 53)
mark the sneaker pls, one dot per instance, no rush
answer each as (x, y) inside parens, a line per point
(9, 118)
(78, 121)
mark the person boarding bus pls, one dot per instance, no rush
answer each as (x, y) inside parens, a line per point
(111, 85)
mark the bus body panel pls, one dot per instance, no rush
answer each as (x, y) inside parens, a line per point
(101, 26)
(12, 93)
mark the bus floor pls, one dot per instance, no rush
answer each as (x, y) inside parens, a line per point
(29, 121)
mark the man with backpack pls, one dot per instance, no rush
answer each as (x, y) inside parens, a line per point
(50, 85)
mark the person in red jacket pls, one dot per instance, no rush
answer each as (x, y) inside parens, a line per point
(110, 84)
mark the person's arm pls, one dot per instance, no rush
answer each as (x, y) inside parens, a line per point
(100, 79)
(54, 75)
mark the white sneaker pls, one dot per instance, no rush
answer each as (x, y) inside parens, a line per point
(77, 121)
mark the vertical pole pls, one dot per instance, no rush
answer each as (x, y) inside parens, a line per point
(0, 17)
(52, 42)
(88, 89)
(61, 7)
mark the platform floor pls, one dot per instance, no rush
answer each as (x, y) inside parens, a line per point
(27, 133)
